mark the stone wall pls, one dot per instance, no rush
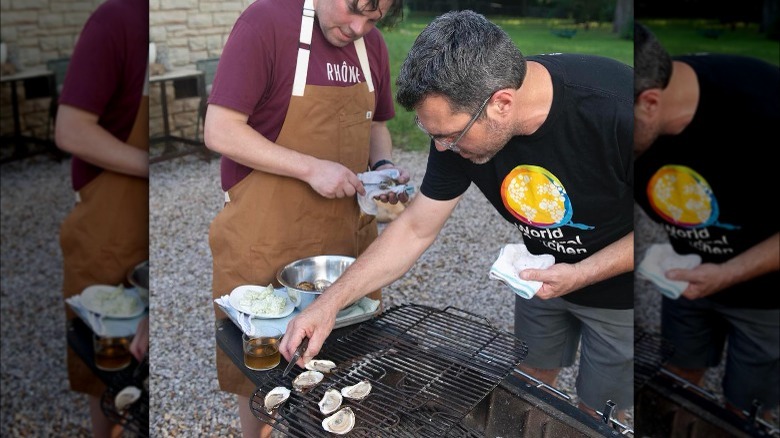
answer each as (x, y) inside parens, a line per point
(36, 31)
(184, 32)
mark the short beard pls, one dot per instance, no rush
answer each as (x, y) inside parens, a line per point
(498, 137)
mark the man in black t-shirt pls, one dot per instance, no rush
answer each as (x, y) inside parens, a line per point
(548, 141)
(714, 204)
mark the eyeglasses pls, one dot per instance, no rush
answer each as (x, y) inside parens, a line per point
(453, 146)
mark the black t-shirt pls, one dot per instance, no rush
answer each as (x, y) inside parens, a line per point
(567, 187)
(713, 186)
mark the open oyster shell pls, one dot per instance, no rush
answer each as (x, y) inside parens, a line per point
(126, 397)
(275, 398)
(307, 379)
(357, 391)
(341, 422)
(331, 401)
(321, 365)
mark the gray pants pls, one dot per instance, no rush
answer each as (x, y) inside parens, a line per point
(699, 329)
(554, 329)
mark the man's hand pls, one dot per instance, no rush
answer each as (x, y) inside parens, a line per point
(139, 346)
(315, 322)
(559, 279)
(392, 197)
(333, 180)
(703, 280)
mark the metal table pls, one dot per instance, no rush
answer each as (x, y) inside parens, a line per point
(190, 145)
(19, 140)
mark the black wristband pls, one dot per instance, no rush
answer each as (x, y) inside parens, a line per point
(381, 163)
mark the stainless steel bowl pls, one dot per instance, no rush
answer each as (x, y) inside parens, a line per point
(320, 271)
(139, 278)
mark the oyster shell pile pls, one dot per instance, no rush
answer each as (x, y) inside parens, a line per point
(275, 398)
(341, 422)
(357, 391)
(331, 401)
(321, 365)
(307, 379)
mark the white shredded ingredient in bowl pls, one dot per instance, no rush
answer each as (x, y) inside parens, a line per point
(115, 302)
(263, 301)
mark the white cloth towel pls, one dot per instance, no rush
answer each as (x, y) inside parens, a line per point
(661, 257)
(377, 183)
(105, 326)
(362, 310)
(514, 258)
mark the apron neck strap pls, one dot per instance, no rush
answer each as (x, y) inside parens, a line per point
(304, 45)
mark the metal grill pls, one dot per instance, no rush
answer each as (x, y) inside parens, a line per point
(428, 368)
(135, 418)
(650, 353)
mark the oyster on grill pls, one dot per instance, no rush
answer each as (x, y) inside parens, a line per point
(357, 391)
(275, 398)
(330, 401)
(307, 379)
(321, 365)
(126, 397)
(341, 422)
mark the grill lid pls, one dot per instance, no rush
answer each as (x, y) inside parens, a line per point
(428, 368)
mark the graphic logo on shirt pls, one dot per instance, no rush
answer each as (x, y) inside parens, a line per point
(682, 197)
(536, 197)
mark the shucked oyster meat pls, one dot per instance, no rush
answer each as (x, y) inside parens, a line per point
(321, 365)
(275, 398)
(341, 422)
(357, 391)
(330, 401)
(307, 379)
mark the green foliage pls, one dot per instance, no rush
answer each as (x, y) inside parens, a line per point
(532, 35)
(691, 36)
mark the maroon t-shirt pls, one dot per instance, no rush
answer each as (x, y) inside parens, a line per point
(257, 68)
(106, 72)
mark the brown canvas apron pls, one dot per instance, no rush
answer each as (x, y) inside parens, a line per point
(270, 220)
(103, 237)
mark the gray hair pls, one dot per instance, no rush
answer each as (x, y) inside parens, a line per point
(463, 57)
(652, 63)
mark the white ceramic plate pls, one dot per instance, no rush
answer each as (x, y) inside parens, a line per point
(91, 300)
(238, 293)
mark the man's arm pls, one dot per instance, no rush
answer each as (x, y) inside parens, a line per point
(386, 259)
(78, 133)
(709, 278)
(563, 278)
(227, 133)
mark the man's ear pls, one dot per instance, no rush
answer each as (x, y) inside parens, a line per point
(502, 101)
(648, 103)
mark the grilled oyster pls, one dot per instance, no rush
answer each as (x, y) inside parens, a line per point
(307, 379)
(330, 401)
(320, 284)
(275, 398)
(357, 391)
(321, 365)
(126, 397)
(341, 422)
(306, 285)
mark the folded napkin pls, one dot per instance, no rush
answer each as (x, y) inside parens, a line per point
(377, 183)
(362, 310)
(514, 258)
(661, 257)
(105, 326)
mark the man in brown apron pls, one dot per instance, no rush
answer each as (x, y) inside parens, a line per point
(103, 121)
(275, 214)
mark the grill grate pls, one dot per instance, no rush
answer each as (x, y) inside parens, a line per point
(135, 418)
(650, 353)
(428, 368)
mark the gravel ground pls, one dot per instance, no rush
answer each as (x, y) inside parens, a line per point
(185, 196)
